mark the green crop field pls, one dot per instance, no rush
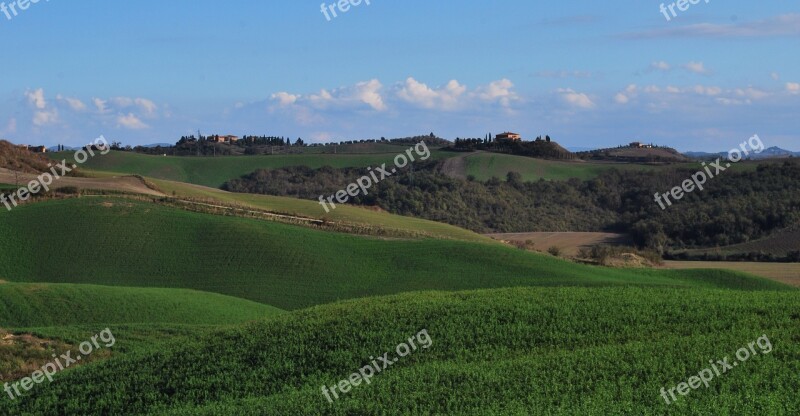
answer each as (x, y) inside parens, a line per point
(521, 351)
(121, 242)
(215, 171)
(43, 305)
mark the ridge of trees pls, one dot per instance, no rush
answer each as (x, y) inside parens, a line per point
(735, 207)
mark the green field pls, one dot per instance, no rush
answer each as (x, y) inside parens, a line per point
(484, 166)
(26, 305)
(215, 171)
(311, 209)
(534, 351)
(196, 303)
(120, 242)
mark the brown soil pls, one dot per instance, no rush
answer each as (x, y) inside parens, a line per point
(568, 242)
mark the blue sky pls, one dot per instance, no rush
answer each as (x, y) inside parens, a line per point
(588, 73)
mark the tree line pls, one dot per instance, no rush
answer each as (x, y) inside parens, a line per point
(736, 207)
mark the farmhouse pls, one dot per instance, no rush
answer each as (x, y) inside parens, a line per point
(640, 145)
(223, 139)
(38, 149)
(509, 136)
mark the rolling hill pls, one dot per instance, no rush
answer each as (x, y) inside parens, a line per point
(484, 166)
(215, 171)
(511, 351)
(121, 242)
(28, 305)
(635, 154)
(18, 159)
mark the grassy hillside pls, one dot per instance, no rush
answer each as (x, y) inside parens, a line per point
(121, 242)
(312, 209)
(514, 351)
(215, 171)
(41, 305)
(483, 166)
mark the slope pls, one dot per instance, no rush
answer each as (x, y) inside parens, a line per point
(512, 351)
(24, 305)
(120, 242)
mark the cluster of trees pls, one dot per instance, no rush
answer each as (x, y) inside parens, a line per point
(735, 207)
(541, 147)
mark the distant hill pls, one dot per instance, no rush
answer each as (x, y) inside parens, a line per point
(635, 154)
(542, 149)
(19, 159)
(773, 152)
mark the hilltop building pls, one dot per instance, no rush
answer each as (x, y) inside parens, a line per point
(223, 139)
(640, 145)
(509, 136)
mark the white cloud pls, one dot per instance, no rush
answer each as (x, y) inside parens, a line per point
(130, 121)
(696, 67)
(42, 114)
(660, 66)
(793, 87)
(576, 99)
(444, 98)
(41, 118)
(124, 103)
(100, 105)
(702, 90)
(751, 93)
(74, 103)
(148, 106)
(498, 91)
(366, 92)
(775, 76)
(369, 93)
(732, 101)
(36, 98)
(284, 98)
(621, 98)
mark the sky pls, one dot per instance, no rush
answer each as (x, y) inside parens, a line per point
(589, 74)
